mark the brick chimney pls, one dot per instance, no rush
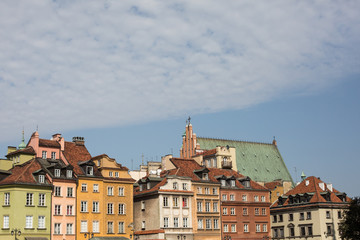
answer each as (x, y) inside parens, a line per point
(80, 141)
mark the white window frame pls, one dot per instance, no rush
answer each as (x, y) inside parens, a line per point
(96, 188)
(7, 199)
(41, 178)
(53, 155)
(29, 199)
(166, 222)
(165, 201)
(185, 222)
(42, 199)
(122, 209)
(84, 187)
(110, 191)
(233, 227)
(28, 221)
(41, 222)
(185, 186)
(57, 191)
(110, 208)
(83, 206)
(44, 154)
(69, 210)
(121, 227)
(69, 173)
(96, 226)
(70, 192)
(83, 226)
(57, 172)
(57, 209)
(6, 221)
(95, 207)
(110, 227)
(69, 228)
(57, 228)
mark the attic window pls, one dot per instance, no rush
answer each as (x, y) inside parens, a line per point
(141, 187)
(223, 182)
(232, 183)
(57, 173)
(69, 173)
(322, 186)
(148, 185)
(89, 170)
(307, 183)
(205, 176)
(41, 178)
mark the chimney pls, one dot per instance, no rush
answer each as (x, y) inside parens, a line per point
(79, 141)
(56, 137)
(11, 149)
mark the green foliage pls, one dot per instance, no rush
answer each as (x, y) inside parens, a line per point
(349, 228)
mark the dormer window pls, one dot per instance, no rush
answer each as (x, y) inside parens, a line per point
(232, 182)
(247, 184)
(205, 176)
(98, 163)
(57, 173)
(141, 187)
(53, 155)
(223, 182)
(110, 174)
(69, 173)
(148, 185)
(41, 179)
(44, 154)
(175, 185)
(89, 170)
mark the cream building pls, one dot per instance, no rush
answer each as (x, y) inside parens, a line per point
(312, 210)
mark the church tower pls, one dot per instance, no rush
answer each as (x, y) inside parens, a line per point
(189, 145)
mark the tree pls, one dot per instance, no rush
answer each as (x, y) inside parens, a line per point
(349, 227)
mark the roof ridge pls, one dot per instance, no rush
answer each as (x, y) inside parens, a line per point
(234, 140)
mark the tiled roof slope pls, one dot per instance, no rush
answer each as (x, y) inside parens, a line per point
(48, 143)
(76, 153)
(22, 174)
(28, 150)
(260, 161)
(311, 187)
(272, 185)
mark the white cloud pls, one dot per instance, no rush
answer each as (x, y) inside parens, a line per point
(82, 64)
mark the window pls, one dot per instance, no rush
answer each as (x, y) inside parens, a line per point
(223, 182)
(215, 206)
(263, 198)
(244, 198)
(148, 185)
(83, 226)
(69, 192)
(256, 198)
(121, 191)
(41, 199)
(328, 215)
(6, 199)
(263, 211)
(143, 225)
(69, 210)
(199, 190)
(208, 223)
(57, 191)
(224, 197)
(175, 185)
(110, 227)
(310, 231)
(57, 228)
(339, 215)
(29, 222)
(226, 228)
(207, 190)
(95, 208)
(69, 173)
(110, 173)
(274, 219)
(292, 231)
(44, 153)
(143, 205)
(256, 211)
(110, 191)
(53, 155)
(89, 170)
(275, 233)
(57, 172)
(280, 217)
(84, 187)
(225, 212)
(308, 215)
(96, 188)
(110, 208)
(207, 206)
(29, 199)
(302, 231)
(116, 174)
(184, 186)
(232, 197)
(165, 201)
(185, 222)
(302, 216)
(205, 176)
(199, 206)
(232, 211)
(281, 231)
(200, 224)
(258, 228)
(96, 226)
(6, 222)
(291, 217)
(69, 228)
(264, 228)
(329, 229)
(175, 202)
(185, 202)
(166, 222)
(245, 211)
(41, 179)
(121, 208)
(216, 223)
(232, 183)
(57, 210)
(83, 206)
(214, 191)
(121, 227)
(41, 222)
(176, 222)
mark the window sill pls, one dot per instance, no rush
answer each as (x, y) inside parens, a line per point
(42, 206)
(29, 205)
(57, 214)
(41, 228)
(6, 205)
(29, 228)
(59, 196)
(95, 212)
(5, 228)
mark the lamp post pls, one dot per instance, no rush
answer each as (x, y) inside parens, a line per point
(15, 232)
(90, 234)
(181, 237)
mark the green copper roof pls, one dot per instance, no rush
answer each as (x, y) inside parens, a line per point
(262, 162)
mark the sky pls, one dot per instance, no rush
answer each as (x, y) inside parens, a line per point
(127, 74)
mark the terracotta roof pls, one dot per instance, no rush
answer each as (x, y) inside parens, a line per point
(49, 143)
(272, 185)
(153, 189)
(28, 150)
(311, 187)
(75, 154)
(22, 173)
(207, 152)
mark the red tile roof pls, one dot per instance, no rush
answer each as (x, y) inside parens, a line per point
(272, 185)
(49, 143)
(22, 173)
(76, 153)
(311, 186)
(206, 153)
(28, 150)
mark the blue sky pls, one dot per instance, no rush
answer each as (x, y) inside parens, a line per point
(126, 76)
